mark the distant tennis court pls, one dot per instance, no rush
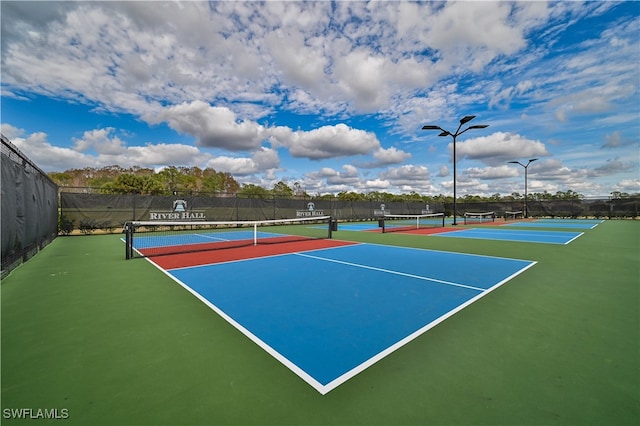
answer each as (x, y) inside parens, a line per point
(557, 223)
(526, 236)
(328, 314)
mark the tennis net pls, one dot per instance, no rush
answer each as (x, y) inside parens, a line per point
(513, 215)
(470, 218)
(156, 238)
(406, 222)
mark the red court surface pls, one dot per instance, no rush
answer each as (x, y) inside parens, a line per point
(184, 260)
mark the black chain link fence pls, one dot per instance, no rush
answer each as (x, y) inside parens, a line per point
(86, 211)
(29, 208)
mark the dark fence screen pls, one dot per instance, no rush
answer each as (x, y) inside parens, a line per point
(29, 207)
(87, 211)
(90, 211)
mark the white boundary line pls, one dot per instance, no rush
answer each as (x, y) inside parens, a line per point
(574, 238)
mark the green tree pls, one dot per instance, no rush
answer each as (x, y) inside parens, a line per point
(374, 196)
(213, 181)
(472, 198)
(250, 190)
(98, 181)
(129, 183)
(170, 178)
(351, 196)
(517, 196)
(152, 186)
(414, 196)
(61, 178)
(126, 183)
(324, 197)
(230, 185)
(282, 190)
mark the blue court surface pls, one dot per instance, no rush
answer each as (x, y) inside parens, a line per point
(329, 314)
(364, 226)
(558, 223)
(526, 236)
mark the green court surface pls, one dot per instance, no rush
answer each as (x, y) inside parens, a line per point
(105, 341)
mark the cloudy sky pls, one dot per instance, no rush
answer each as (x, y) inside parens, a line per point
(331, 95)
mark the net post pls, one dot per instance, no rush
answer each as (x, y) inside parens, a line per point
(128, 229)
(443, 223)
(255, 233)
(333, 226)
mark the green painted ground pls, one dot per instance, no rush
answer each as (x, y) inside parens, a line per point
(115, 342)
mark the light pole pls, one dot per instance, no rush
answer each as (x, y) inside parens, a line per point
(526, 206)
(464, 120)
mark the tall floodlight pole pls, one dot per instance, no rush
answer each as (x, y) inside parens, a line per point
(463, 121)
(526, 167)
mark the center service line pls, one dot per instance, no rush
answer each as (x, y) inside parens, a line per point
(392, 272)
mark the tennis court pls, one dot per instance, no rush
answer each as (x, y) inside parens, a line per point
(529, 236)
(329, 314)
(557, 223)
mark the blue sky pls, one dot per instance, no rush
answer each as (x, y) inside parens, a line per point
(332, 95)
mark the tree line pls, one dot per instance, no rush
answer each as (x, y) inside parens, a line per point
(208, 181)
(139, 180)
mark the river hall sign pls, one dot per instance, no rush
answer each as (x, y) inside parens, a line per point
(179, 212)
(311, 211)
